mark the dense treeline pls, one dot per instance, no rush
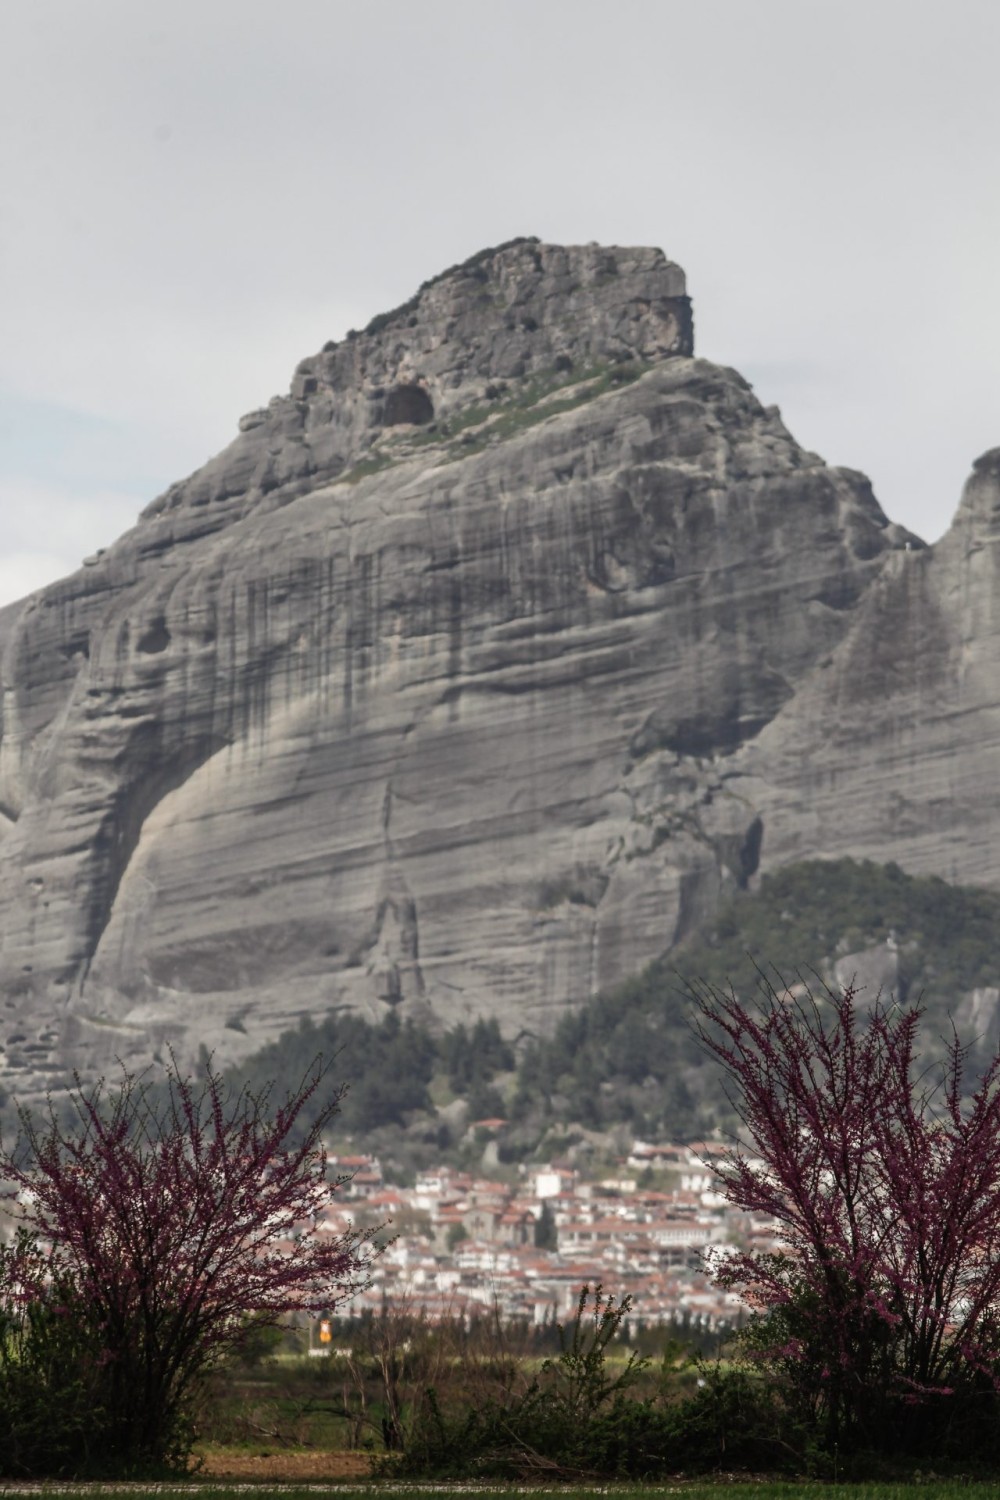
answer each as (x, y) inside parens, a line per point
(390, 1067)
(628, 1058)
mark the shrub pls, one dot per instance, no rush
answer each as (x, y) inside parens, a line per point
(50, 1370)
(737, 1420)
(573, 1417)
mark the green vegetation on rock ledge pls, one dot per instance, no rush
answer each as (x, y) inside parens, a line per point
(627, 1061)
(511, 408)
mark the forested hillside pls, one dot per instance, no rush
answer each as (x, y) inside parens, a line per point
(627, 1060)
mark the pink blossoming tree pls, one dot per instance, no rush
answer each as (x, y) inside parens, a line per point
(883, 1306)
(176, 1217)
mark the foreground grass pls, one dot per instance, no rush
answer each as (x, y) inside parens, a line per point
(720, 1489)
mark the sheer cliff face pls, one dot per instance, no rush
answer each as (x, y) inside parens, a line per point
(891, 749)
(465, 678)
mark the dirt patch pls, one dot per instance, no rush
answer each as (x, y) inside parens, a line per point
(290, 1467)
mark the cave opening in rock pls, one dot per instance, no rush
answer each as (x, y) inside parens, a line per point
(408, 403)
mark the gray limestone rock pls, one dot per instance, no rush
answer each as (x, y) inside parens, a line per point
(891, 749)
(873, 973)
(977, 1019)
(466, 678)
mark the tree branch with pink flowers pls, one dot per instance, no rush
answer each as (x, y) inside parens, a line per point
(882, 1180)
(175, 1216)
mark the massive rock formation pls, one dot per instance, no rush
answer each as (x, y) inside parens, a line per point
(466, 677)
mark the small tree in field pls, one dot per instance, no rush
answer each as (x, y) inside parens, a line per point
(885, 1308)
(175, 1216)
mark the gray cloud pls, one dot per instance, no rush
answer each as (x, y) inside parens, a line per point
(198, 196)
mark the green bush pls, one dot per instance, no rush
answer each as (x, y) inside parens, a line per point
(58, 1415)
(573, 1417)
(51, 1412)
(737, 1420)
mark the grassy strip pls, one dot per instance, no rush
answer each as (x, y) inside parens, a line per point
(536, 403)
(478, 427)
(722, 1489)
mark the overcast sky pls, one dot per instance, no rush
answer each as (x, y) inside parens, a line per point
(196, 195)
